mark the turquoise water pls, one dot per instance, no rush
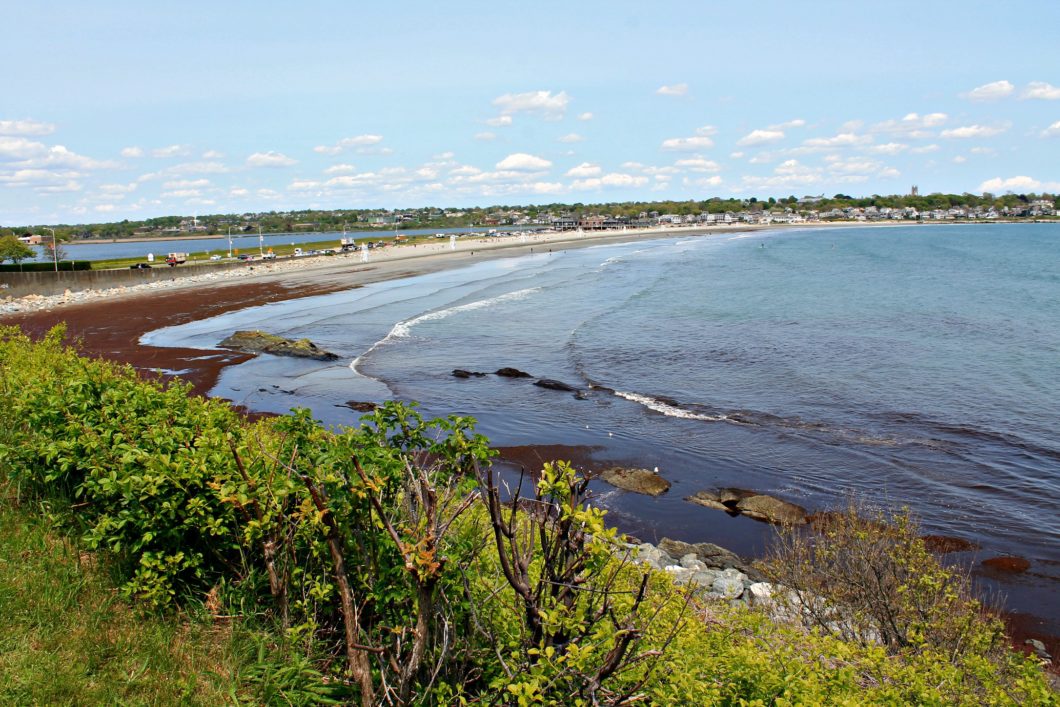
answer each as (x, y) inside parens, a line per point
(913, 366)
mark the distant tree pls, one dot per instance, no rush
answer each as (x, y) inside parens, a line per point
(14, 250)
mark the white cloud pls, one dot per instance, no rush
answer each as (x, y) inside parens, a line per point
(1042, 91)
(972, 131)
(698, 164)
(990, 91)
(20, 153)
(736, 155)
(238, 192)
(520, 161)
(118, 188)
(617, 179)
(796, 123)
(890, 148)
(132, 152)
(361, 142)
(706, 182)
(687, 144)
(181, 193)
(270, 159)
(585, 116)
(912, 126)
(759, 137)
(677, 89)
(212, 155)
(465, 171)
(925, 149)
(170, 151)
(499, 121)
(25, 127)
(1016, 184)
(303, 185)
(542, 102)
(960, 159)
(585, 169)
(614, 179)
(186, 184)
(485, 136)
(571, 137)
(340, 169)
(1052, 131)
(840, 140)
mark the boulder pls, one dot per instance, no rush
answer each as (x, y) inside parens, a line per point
(260, 342)
(760, 594)
(512, 373)
(461, 373)
(727, 587)
(361, 406)
(636, 480)
(772, 510)
(710, 500)
(554, 385)
(709, 554)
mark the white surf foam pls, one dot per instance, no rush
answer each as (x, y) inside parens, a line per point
(667, 409)
(403, 329)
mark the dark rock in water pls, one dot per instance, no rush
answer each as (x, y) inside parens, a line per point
(944, 544)
(1008, 564)
(730, 496)
(554, 385)
(360, 406)
(636, 480)
(710, 500)
(604, 388)
(708, 553)
(751, 504)
(772, 510)
(582, 395)
(461, 373)
(512, 373)
(260, 342)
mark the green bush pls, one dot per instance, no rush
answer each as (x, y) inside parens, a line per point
(374, 560)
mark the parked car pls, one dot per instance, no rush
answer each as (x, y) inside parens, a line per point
(140, 266)
(215, 257)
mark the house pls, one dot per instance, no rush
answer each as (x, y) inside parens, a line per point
(32, 239)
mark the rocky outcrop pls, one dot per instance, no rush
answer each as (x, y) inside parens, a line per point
(709, 554)
(461, 373)
(711, 577)
(260, 342)
(507, 372)
(555, 385)
(361, 406)
(636, 480)
(753, 505)
(771, 510)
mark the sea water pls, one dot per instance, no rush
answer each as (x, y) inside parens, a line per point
(910, 366)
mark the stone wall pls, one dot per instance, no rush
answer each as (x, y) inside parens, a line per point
(20, 284)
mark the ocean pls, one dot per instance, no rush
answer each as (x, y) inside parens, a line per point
(913, 366)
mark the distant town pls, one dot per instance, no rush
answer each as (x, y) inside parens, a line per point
(592, 217)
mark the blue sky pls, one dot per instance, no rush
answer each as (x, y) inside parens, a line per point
(117, 110)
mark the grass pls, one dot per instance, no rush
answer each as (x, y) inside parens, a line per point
(67, 638)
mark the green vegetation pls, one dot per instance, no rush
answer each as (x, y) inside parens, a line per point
(65, 638)
(382, 565)
(14, 250)
(430, 217)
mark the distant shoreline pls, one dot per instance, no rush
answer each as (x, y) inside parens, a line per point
(696, 227)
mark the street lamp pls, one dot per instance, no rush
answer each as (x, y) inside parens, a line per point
(55, 249)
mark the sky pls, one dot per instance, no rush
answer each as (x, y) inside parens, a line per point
(128, 110)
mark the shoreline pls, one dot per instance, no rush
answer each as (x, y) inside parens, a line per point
(110, 323)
